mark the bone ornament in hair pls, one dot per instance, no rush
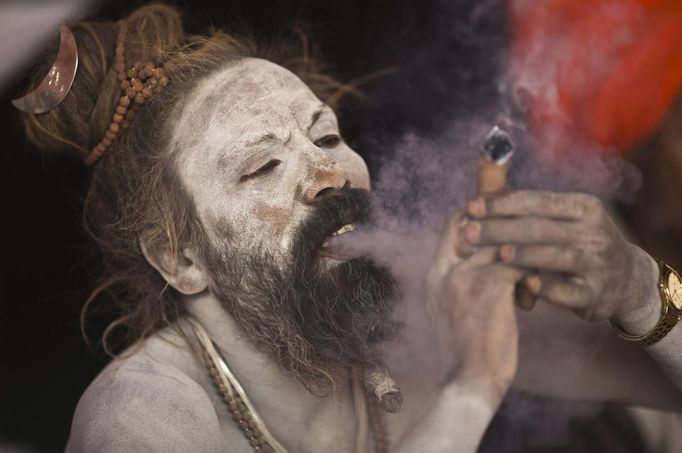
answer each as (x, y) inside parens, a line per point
(138, 83)
(56, 85)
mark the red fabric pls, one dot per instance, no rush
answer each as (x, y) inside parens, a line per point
(596, 72)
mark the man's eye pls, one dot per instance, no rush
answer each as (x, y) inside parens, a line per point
(328, 141)
(262, 170)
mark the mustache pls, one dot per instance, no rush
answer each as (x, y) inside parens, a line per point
(312, 320)
(346, 205)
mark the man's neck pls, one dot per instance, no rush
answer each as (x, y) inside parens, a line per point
(284, 404)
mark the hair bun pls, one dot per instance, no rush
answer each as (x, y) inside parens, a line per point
(81, 119)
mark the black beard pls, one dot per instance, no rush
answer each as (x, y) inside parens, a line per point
(312, 319)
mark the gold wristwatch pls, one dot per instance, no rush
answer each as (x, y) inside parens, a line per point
(670, 287)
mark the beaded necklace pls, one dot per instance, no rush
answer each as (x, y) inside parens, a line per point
(251, 424)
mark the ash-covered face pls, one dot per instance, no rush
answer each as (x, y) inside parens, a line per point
(257, 149)
(262, 158)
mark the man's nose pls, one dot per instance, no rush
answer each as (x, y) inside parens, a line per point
(328, 177)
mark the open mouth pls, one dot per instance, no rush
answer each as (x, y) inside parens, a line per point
(336, 247)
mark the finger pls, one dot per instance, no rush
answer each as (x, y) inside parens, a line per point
(488, 291)
(450, 242)
(482, 257)
(564, 206)
(446, 260)
(464, 249)
(524, 297)
(499, 277)
(556, 258)
(479, 270)
(524, 230)
(479, 267)
(567, 292)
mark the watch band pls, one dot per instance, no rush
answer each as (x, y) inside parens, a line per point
(669, 317)
(664, 325)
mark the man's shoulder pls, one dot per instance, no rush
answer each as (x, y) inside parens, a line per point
(147, 400)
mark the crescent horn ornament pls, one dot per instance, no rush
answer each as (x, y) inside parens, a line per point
(56, 85)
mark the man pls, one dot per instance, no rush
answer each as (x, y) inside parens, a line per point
(227, 188)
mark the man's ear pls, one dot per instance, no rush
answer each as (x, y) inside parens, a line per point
(182, 271)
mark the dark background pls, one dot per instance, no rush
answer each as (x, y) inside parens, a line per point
(444, 59)
(444, 56)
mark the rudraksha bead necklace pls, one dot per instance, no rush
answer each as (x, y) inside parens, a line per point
(137, 83)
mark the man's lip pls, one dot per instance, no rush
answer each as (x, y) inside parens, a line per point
(335, 248)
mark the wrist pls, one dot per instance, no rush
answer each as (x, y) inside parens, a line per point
(643, 311)
(482, 387)
(473, 395)
(456, 421)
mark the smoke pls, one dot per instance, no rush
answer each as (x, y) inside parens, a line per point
(456, 87)
(428, 172)
(427, 169)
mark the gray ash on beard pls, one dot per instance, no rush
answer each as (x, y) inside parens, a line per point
(311, 318)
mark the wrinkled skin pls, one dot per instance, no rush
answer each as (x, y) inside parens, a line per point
(475, 319)
(256, 151)
(566, 250)
(575, 255)
(268, 152)
(259, 99)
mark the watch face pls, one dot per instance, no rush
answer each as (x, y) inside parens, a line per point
(675, 290)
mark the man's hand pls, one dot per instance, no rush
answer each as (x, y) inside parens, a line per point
(471, 303)
(472, 300)
(573, 253)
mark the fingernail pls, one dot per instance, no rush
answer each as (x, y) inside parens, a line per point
(476, 208)
(533, 283)
(472, 232)
(507, 252)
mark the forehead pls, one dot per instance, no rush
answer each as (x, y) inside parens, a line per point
(250, 96)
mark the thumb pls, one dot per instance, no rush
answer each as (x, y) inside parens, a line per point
(502, 275)
(450, 243)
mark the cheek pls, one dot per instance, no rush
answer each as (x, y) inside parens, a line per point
(354, 166)
(256, 224)
(276, 217)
